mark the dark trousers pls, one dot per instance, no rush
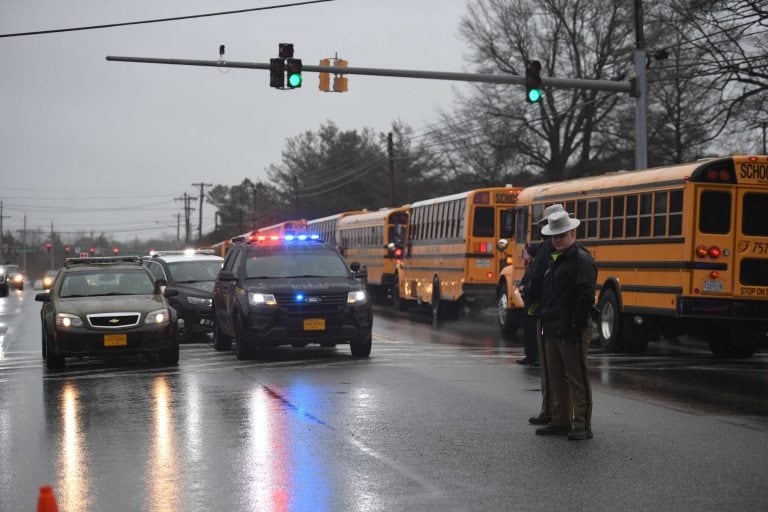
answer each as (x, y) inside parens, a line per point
(546, 391)
(531, 328)
(569, 381)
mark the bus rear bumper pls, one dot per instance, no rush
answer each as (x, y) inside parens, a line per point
(729, 309)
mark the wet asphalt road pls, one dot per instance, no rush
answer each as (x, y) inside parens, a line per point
(435, 420)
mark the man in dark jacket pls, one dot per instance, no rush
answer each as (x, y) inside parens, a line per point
(531, 291)
(567, 297)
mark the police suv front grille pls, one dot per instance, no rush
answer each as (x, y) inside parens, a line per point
(114, 320)
(311, 299)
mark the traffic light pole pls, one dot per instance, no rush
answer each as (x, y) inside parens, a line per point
(554, 83)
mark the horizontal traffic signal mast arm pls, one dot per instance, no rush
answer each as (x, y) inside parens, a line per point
(546, 82)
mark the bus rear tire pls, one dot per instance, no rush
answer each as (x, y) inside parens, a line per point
(609, 323)
(735, 342)
(398, 302)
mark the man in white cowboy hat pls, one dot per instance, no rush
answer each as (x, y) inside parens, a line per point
(531, 291)
(567, 297)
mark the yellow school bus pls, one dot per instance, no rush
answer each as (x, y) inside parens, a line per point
(326, 227)
(679, 250)
(220, 248)
(377, 241)
(288, 227)
(450, 259)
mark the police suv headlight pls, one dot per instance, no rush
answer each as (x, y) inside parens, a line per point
(261, 299)
(358, 297)
(66, 320)
(159, 316)
(18, 278)
(200, 301)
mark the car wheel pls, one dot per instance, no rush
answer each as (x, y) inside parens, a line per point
(53, 360)
(508, 324)
(170, 356)
(609, 324)
(243, 350)
(221, 342)
(362, 348)
(44, 344)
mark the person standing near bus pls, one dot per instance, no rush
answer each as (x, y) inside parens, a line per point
(567, 297)
(530, 323)
(531, 291)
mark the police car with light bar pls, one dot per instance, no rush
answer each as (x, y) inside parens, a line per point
(290, 290)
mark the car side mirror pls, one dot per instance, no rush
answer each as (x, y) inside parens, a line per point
(354, 266)
(170, 292)
(226, 275)
(502, 244)
(43, 297)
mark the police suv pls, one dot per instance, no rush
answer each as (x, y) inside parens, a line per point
(290, 290)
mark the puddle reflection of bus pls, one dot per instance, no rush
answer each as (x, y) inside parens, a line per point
(377, 241)
(679, 250)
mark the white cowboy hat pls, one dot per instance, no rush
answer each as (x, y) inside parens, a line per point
(549, 210)
(559, 223)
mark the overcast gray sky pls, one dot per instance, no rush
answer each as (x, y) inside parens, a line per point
(88, 144)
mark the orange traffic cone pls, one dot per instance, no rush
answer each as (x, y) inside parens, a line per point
(47, 501)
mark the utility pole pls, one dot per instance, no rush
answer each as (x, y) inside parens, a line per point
(53, 249)
(178, 227)
(23, 259)
(2, 238)
(187, 209)
(202, 195)
(641, 91)
(391, 158)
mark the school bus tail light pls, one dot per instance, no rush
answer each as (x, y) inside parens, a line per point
(714, 274)
(489, 275)
(713, 252)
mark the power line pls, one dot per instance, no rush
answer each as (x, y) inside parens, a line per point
(161, 20)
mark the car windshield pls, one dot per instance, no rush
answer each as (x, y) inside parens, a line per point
(107, 282)
(295, 264)
(193, 271)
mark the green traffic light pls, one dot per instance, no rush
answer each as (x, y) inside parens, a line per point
(534, 95)
(294, 80)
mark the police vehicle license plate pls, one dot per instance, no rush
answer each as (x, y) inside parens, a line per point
(115, 340)
(314, 324)
(713, 285)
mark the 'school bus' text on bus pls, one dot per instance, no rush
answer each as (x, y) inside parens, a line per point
(680, 249)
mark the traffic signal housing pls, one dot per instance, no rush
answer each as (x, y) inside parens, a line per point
(293, 70)
(277, 73)
(325, 78)
(533, 81)
(341, 82)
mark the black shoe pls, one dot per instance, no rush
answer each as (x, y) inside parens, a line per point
(527, 361)
(541, 419)
(552, 430)
(579, 434)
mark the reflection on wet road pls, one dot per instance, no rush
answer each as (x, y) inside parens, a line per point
(434, 420)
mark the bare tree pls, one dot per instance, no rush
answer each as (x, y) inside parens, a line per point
(560, 136)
